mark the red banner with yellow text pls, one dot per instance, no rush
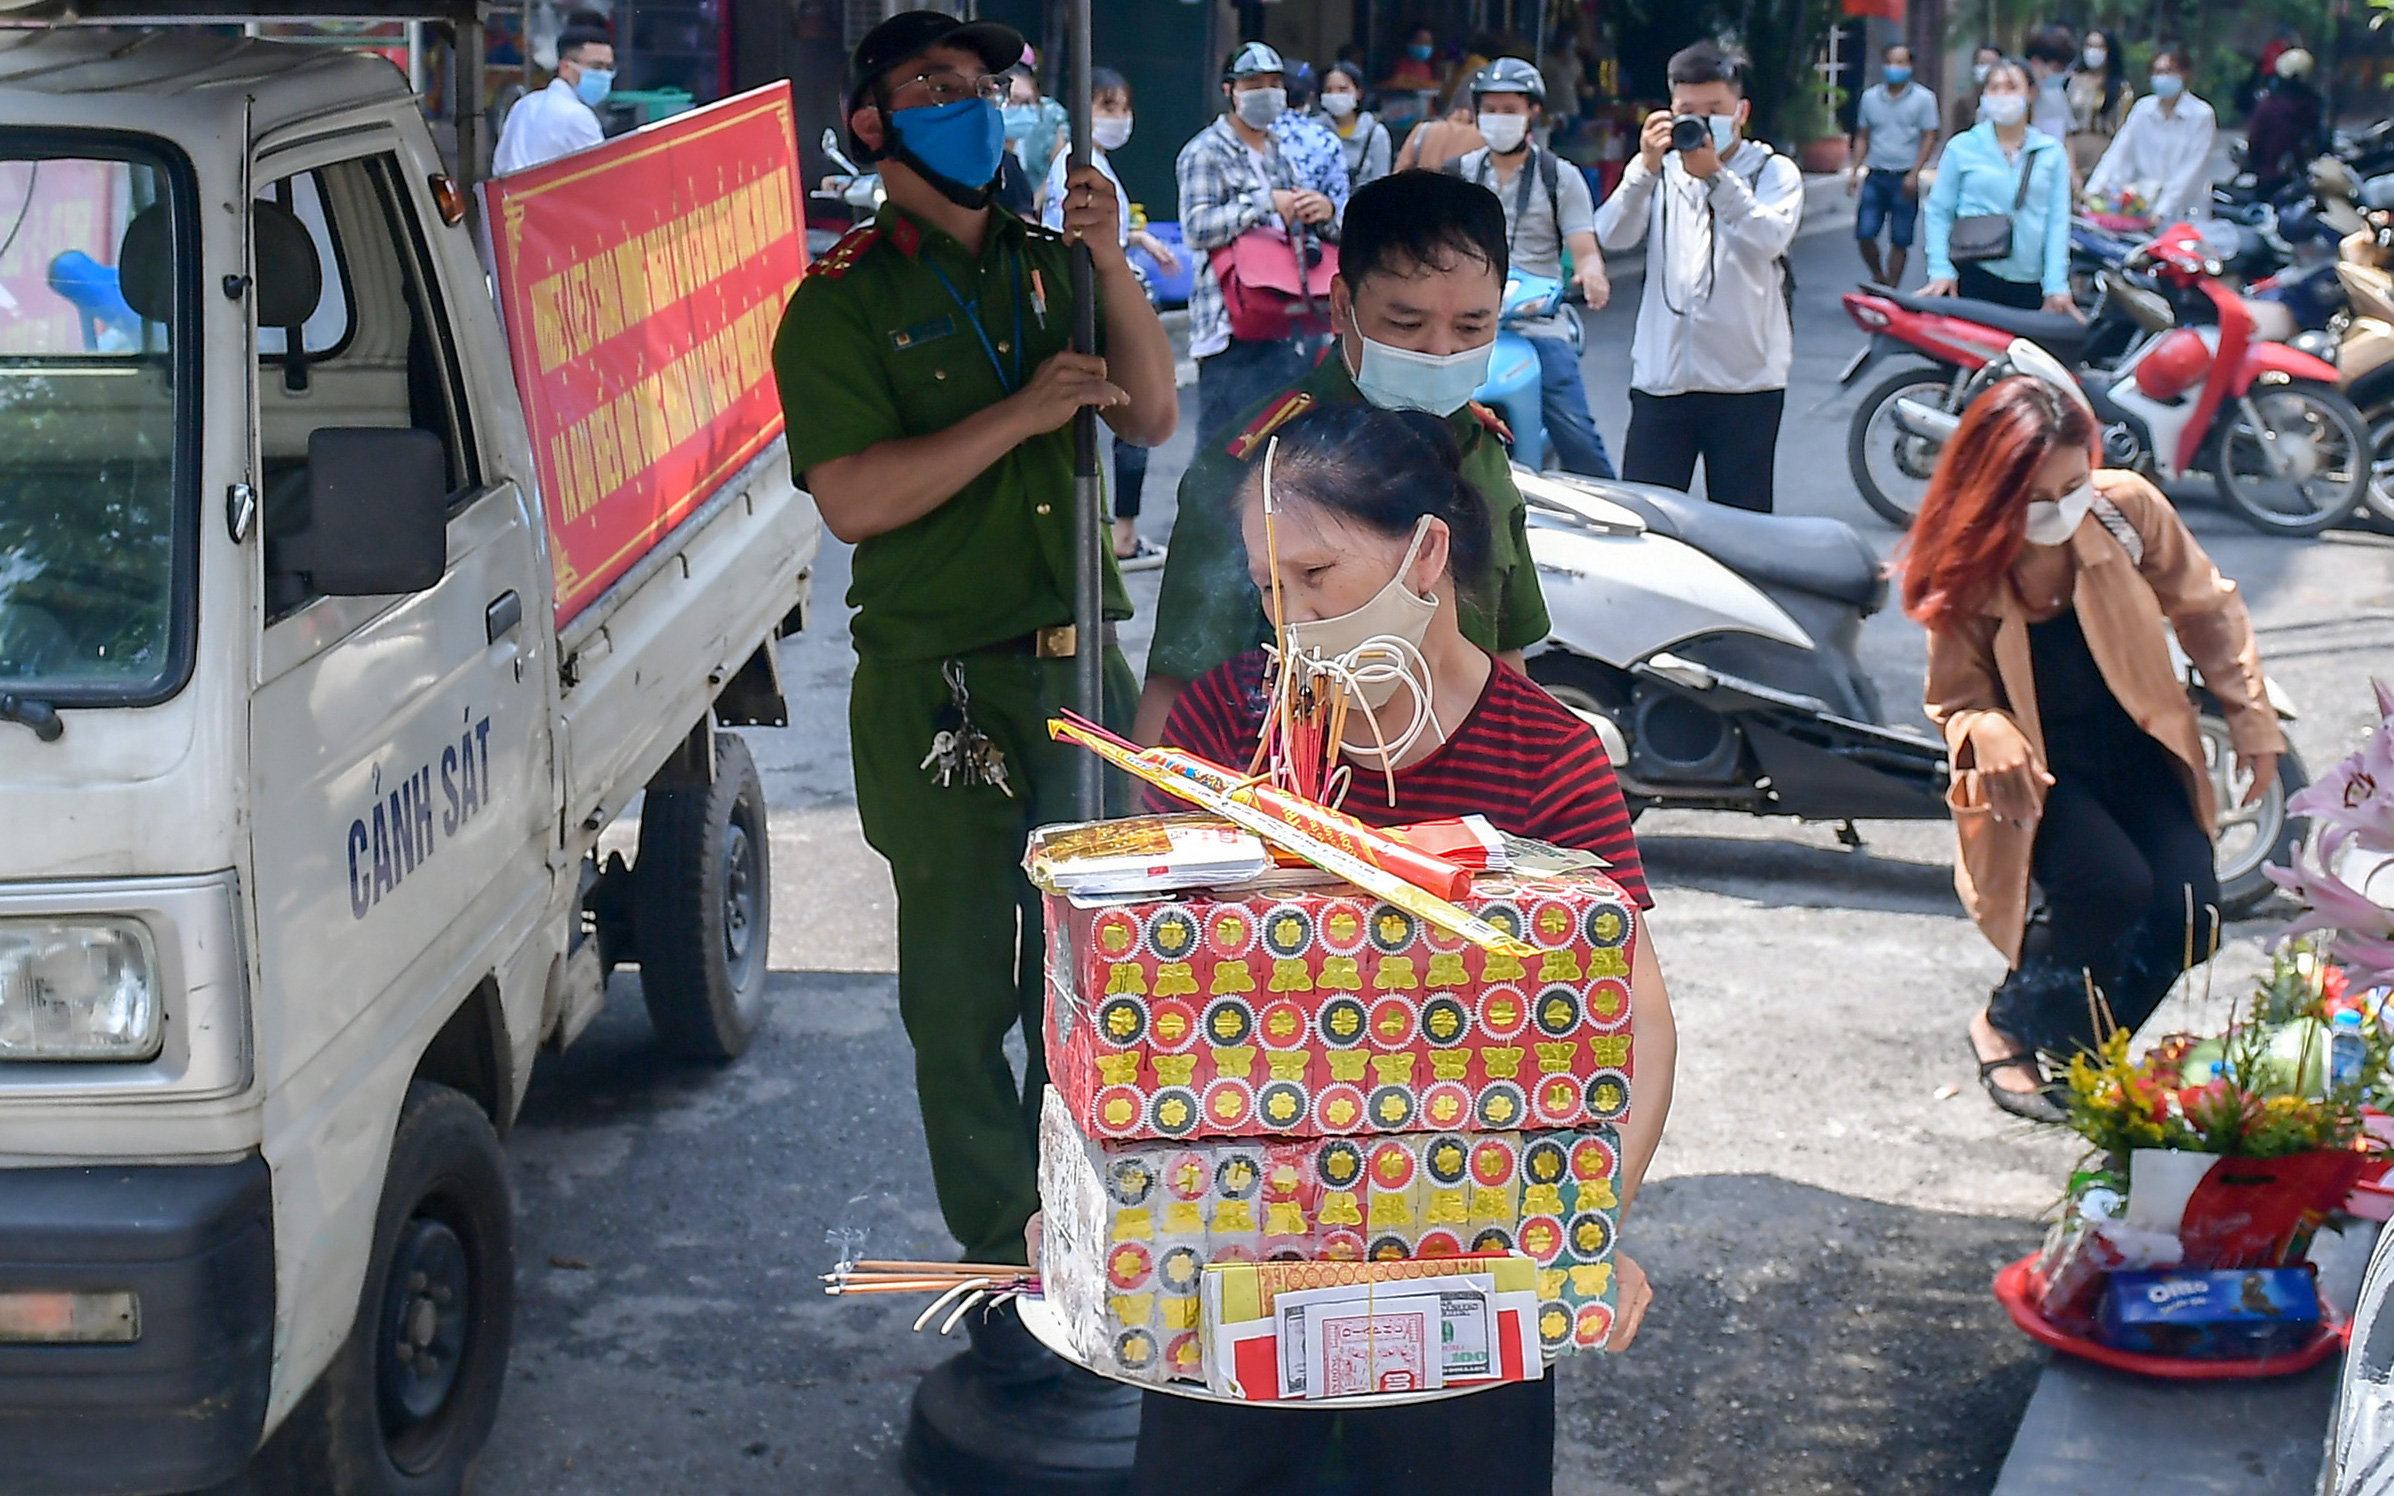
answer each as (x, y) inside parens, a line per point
(642, 282)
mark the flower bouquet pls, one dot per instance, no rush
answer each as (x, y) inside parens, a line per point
(2182, 1247)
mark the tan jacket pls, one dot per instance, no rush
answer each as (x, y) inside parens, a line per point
(1983, 666)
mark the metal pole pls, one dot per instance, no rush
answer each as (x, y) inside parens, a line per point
(1088, 611)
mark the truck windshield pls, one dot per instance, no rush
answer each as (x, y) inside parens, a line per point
(93, 572)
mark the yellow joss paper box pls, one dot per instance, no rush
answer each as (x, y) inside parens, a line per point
(1323, 1012)
(1260, 1317)
(1130, 1227)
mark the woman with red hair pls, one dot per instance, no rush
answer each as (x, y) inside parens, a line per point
(2077, 762)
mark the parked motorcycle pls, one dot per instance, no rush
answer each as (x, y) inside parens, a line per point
(1514, 386)
(2365, 368)
(1716, 655)
(2285, 449)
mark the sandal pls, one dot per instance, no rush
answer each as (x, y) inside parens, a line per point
(1146, 555)
(2039, 1105)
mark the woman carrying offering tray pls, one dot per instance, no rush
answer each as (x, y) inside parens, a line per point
(1366, 534)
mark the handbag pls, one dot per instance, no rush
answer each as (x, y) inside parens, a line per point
(1988, 236)
(1275, 287)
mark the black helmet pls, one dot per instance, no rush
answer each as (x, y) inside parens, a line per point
(1509, 75)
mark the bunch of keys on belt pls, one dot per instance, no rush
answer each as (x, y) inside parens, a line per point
(960, 750)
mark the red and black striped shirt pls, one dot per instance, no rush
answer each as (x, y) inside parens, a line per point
(1520, 759)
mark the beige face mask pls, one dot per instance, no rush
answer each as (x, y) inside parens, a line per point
(1375, 641)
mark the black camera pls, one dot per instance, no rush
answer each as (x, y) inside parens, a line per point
(1689, 132)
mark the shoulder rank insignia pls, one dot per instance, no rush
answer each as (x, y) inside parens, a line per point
(1276, 415)
(842, 257)
(1494, 422)
(904, 235)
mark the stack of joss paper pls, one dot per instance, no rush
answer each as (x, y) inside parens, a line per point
(1401, 1062)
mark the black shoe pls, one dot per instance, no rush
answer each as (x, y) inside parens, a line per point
(1011, 1418)
(2040, 1105)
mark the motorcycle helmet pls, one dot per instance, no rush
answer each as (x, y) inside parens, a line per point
(2176, 364)
(1509, 75)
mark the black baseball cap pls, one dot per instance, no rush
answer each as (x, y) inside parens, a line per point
(910, 34)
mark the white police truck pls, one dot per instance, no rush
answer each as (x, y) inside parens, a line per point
(300, 784)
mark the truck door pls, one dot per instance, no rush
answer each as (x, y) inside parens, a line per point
(399, 745)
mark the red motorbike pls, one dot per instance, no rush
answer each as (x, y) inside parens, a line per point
(2171, 365)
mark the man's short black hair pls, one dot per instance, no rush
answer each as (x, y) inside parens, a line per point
(574, 38)
(1705, 62)
(2054, 45)
(1420, 218)
(1104, 81)
(1892, 48)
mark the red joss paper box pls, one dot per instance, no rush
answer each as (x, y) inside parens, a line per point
(1312, 1013)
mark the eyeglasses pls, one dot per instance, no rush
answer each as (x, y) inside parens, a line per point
(953, 87)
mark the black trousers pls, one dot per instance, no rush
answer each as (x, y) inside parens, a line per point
(1130, 478)
(2120, 858)
(1190, 1448)
(1736, 435)
(1984, 285)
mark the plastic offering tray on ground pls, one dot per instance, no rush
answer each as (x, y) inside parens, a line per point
(2014, 1290)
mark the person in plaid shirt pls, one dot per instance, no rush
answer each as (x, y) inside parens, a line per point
(1234, 176)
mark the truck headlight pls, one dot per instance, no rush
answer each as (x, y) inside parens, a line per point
(77, 989)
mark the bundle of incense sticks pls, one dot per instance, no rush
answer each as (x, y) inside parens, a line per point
(960, 1286)
(1337, 844)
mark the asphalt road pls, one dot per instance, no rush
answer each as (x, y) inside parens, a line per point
(1824, 1216)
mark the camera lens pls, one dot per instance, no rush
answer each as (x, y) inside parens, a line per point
(1690, 133)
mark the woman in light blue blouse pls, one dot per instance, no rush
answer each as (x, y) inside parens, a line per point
(1979, 173)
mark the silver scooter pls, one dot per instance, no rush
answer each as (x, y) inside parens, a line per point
(1715, 654)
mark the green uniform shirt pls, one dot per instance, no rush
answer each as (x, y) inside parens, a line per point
(1209, 610)
(876, 346)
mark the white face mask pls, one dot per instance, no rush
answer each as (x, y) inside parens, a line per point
(1504, 132)
(2096, 57)
(1724, 131)
(2004, 109)
(1979, 71)
(1395, 378)
(1258, 107)
(1110, 134)
(2054, 522)
(1373, 645)
(1338, 105)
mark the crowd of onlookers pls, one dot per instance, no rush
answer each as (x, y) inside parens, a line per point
(2033, 136)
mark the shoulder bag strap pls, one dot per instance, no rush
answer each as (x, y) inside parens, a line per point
(2108, 515)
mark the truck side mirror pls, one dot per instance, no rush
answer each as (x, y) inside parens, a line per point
(378, 513)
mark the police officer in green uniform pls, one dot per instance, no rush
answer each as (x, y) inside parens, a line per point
(1414, 310)
(929, 389)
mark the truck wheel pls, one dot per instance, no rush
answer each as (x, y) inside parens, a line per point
(702, 892)
(408, 1401)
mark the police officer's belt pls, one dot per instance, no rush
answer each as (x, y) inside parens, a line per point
(1057, 643)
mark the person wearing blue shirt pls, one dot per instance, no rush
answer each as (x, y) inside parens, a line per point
(1980, 174)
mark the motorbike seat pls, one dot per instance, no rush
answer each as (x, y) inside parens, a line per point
(1804, 552)
(2063, 337)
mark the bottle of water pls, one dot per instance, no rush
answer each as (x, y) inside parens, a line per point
(2347, 1049)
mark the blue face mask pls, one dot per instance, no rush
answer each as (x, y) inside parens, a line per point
(1724, 131)
(1021, 120)
(1394, 378)
(594, 85)
(1419, 51)
(958, 142)
(2168, 85)
(1895, 74)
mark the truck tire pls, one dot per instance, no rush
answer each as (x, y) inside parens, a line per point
(702, 897)
(410, 1398)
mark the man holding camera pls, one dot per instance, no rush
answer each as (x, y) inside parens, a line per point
(1708, 365)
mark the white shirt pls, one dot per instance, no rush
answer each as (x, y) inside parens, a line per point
(2168, 154)
(1713, 314)
(543, 126)
(2049, 109)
